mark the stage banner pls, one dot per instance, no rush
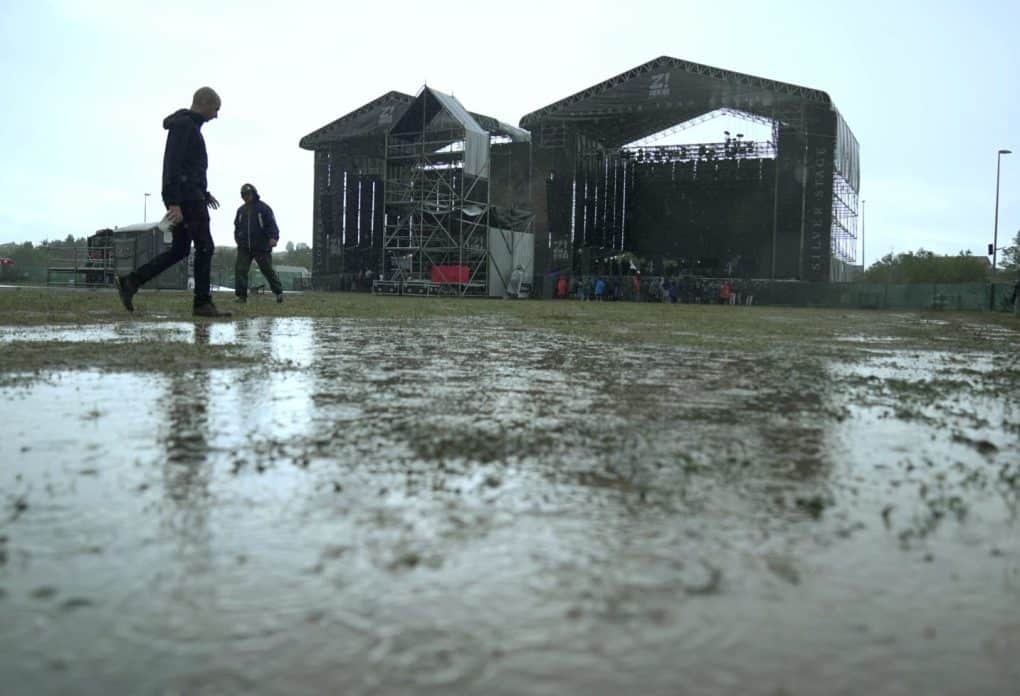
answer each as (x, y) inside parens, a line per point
(817, 222)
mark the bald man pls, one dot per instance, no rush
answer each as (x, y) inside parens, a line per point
(187, 199)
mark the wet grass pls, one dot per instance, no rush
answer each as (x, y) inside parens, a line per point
(142, 356)
(775, 339)
(743, 327)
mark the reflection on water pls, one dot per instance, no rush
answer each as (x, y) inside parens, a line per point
(187, 470)
(467, 508)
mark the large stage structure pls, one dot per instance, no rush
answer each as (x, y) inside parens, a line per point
(418, 189)
(421, 195)
(783, 208)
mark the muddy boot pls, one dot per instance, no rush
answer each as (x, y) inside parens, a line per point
(126, 288)
(240, 300)
(209, 310)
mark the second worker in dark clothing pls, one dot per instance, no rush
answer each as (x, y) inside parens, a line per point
(256, 234)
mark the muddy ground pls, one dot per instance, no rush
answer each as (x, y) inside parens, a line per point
(365, 495)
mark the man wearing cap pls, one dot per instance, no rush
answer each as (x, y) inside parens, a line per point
(256, 234)
(187, 200)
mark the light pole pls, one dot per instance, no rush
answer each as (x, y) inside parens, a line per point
(864, 266)
(995, 234)
(145, 208)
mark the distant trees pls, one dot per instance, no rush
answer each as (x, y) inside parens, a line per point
(223, 261)
(927, 267)
(1010, 258)
(225, 258)
(30, 261)
(299, 254)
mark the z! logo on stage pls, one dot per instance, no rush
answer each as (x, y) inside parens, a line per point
(659, 86)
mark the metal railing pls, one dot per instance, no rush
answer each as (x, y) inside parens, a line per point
(88, 263)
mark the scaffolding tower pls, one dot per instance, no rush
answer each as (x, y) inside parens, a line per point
(437, 201)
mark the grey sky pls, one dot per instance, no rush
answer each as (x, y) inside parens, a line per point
(927, 87)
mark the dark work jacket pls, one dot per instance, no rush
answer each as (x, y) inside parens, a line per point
(255, 225)
(185, 160)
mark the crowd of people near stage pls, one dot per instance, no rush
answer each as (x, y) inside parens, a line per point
(675, 289)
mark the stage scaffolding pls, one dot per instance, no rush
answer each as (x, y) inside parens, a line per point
(844, 220)
(416, 195)
(437, 199)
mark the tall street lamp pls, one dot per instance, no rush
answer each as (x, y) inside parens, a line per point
(863, 266)
(995, 235)
(145, 208)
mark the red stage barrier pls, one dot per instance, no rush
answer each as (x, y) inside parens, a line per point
(451, 274)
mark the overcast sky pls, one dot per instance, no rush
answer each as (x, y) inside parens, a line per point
(928, 87)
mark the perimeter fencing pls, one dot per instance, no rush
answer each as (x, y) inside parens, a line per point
(918, 296)
(857, 295)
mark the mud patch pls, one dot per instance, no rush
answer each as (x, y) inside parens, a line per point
(492, 497)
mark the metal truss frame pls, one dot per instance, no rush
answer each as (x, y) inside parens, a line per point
(844, 220)
(435, 214)
(666, 62)
(704, 118)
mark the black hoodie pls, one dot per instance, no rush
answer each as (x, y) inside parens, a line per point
(255, 224)
(185, 160)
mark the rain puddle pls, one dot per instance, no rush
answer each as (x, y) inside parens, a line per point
(465, 507)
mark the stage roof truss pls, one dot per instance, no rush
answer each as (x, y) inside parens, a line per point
(698, 152)
(666, 63)
(373, 119)
(369, 123)
(667, 91)
(698, 120)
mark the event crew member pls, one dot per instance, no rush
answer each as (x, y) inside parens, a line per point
(256, 234)
(187, 200)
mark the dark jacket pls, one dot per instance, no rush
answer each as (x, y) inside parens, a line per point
(255, 225)
(185, 160)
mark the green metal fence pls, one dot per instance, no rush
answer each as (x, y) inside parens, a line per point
(947, 296)
(855, 295)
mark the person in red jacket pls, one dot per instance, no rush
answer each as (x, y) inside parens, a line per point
(725, 292)
(561, 287)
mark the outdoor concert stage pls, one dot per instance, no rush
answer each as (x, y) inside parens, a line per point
(585, 178)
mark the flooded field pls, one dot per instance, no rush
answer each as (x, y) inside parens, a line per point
(363, 495)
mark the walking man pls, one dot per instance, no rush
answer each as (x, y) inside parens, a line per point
(187, 199)
(256, 234)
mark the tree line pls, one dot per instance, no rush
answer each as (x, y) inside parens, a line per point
(923, 266)
(32, 259)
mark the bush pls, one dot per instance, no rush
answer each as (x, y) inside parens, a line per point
(926, 267)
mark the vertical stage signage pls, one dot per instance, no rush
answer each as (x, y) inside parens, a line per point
(818, 204)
